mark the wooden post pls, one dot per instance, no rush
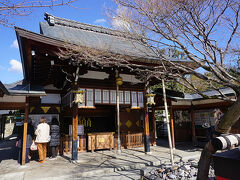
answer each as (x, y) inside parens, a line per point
(154, 126)
(146, 126)
(172, 126)
(75, 132)
(168, 126)
(193, 127)
(92, 147)
(25, 132)
(118, 116)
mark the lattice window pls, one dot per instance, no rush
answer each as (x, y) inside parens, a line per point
(89, 95)
(134, 99)
(140, 99)
(113, 98)
(120, 97)
(127, 97)
(98, 96)
(105, 96)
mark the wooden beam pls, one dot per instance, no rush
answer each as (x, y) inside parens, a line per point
(154, 126)
(74, 131)
(172, 127)
(146, 126)
(12, 105)
(25, 132)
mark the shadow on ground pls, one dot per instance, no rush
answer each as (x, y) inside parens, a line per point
(8, 150)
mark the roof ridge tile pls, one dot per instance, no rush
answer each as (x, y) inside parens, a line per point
(52, 20)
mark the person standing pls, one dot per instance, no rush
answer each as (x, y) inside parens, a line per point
(55, 137)
(19, 142)
(42, 138)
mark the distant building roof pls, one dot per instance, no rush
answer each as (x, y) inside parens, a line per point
(210, 93)
(22, 88)
(192, 97)
(3, 88)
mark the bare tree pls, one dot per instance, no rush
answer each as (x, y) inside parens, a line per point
(207, 31)
(11, 9)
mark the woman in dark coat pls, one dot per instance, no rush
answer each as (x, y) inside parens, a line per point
(30, 136)
(55, 137)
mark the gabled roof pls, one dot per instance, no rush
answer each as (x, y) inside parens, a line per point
(94, 37)
(98, 37)
(22, 88)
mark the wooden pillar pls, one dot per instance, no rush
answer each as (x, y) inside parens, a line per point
(154, 126)
(75, 131)
(25, 132)
(172, 126)
(146, 127)
(118, 115)
(194, 140)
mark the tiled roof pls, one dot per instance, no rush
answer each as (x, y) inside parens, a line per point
(3, 88)
(191, 97)
(95, 37)
(22, 88)
(210, 93)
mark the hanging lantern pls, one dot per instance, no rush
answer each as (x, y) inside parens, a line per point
(78, 96)
(119, 81)
(150, 99)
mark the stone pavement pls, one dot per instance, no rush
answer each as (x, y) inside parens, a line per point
(97, 165)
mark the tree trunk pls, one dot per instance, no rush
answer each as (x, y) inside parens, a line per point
(224, 126)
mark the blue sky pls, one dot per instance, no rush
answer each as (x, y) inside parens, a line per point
(90, 11)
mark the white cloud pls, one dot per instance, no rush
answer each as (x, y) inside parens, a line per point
(16, 66)
(100, 21)
(14, 44)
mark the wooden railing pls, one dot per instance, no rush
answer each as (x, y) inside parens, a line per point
(66, 144)
(128, 140)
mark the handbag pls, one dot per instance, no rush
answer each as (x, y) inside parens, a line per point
(33, 146)
(49, 138)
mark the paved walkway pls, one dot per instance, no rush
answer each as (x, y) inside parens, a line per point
(97, 165)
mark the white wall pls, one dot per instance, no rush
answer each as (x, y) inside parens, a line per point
(51, 99)
(18, 99)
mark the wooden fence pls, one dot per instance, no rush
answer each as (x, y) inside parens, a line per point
(128, 140)
(66, 144)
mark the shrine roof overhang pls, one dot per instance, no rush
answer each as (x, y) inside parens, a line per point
(22, 88)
